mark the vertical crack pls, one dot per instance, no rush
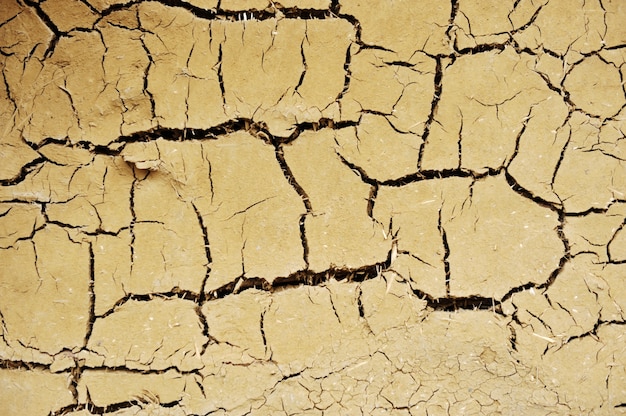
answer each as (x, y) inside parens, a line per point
(460, 141)
(433, 110)
(359, 294)
(148, 67)
(518, 138)
(280, 157)
(563, 149)
(56, 32)
(74, 378)
(303, 239)
(304, 64)
(454, 9)
(220, 74)
(446, 251)
(371, 200)
(207, 252)
(133, 221)
(608, 245)
(346, 68)
(263, 336)
(92, 294)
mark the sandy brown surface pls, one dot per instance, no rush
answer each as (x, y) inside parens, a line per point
(312, 207)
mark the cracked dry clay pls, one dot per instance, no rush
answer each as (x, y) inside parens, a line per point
(319, 207)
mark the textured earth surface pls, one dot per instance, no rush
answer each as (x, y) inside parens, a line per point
(312, 207)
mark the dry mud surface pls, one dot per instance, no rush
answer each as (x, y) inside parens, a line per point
(312, 207)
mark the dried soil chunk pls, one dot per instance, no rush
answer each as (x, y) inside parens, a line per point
(417, 213)
(381, 83)
(98, 196)
(45, 303)
(112, 260)
(564, 28)
(168, 243)
(14, 152)
(389, 303)
(606, 282)
(539, 148)
(101, 5)
(183, 75)
(125, 64)
(155, 334)
(238, 321)
(33, 392)
(200, 179)
(502, 240)
(295, 338)
(271, 45)
(325, 51)
(280, 94)
(578, 371)
(402, 27)
(22, 32)
(94, 101)
(232, 389)
(112, 202)
(338, 231)
(596, 87)
(617, 246)
(615, 18)
(262, 222)
(592, 233)
(576, 310)
(473, 341)
(105, 388)
(587, 178)
(68, 15)
(379, 149)
(481, 22)
(17, 222)
(485, 102)
(46, 105)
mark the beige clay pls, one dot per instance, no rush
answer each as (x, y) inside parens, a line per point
(315, 207)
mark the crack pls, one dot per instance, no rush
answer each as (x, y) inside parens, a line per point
(56, 32)
(74, 378)
(33, 166)
(207, 251)
(263, 336)
(220, 75)
(133, 221)
(114, 407)
(175, 293)
(515, 186)
(608, 245)
(275, 11)
(433, 110)
(371, 200)
(446, 251)
(280, 157)
(348, 76)
(92, 295)
(23, 365)
(304, 64)
(256, 129)
(148, 67)
(245, 210)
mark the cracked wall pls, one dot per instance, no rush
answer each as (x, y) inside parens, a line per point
(320, 207)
